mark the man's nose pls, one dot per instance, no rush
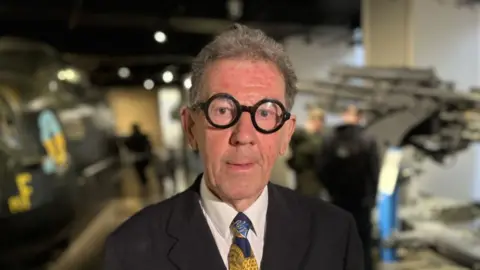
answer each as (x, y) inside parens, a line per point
(243, 132)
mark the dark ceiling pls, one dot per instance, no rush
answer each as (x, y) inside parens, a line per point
(103, 35)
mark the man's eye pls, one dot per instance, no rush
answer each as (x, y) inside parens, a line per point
(222, 111)
(265, 113)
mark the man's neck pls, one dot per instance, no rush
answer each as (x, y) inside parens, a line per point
(238, 205)
(242, 205)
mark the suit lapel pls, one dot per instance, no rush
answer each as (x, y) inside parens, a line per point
(194, 247)
(287, 232)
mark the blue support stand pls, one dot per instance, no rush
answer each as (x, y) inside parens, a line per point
(387, 204)
(388, 221)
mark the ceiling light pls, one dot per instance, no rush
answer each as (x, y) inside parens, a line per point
(160, 37)
(167, 76)
(187, 83)
(148, 84)
(123, 72)
(69, 75)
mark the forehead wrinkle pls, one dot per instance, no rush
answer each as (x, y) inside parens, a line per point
(249, 99)
(256, 84)
(239, 79)
(254, 70)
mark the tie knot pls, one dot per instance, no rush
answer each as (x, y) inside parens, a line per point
(241, 224)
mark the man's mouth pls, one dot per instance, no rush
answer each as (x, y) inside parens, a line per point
(240, 165)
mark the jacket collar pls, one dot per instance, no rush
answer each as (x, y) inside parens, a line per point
(286, 235)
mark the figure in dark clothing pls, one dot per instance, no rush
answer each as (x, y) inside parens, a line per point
(165, 166)
(348, 166)
(139, 144)
(304, 144)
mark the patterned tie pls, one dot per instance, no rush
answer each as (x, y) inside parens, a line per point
(241, 255)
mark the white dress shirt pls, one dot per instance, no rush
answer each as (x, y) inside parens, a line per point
(220, 215)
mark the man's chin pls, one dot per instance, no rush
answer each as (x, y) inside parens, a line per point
(238, 196)
(242, 193)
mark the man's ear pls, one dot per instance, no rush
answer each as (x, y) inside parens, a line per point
(187, 125)
(288, 130)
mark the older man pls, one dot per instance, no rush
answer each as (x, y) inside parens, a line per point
(243, 87)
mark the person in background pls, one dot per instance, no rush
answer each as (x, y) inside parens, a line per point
(139, 144)
(304, 144)
(348, 166)
(165, 164)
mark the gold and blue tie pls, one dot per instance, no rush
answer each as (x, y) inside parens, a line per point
(241, 255)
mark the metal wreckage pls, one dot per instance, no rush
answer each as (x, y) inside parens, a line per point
(407, 107)
(404, 107)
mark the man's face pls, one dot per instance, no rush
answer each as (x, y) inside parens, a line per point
(351, 115)
(318, 123)
(238, 160)
(353, 119)
(314, 125)
(321, 124)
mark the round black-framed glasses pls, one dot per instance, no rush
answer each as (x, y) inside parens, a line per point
(224, 111)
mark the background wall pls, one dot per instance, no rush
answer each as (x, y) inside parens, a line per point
(168, 100)
(386, 31)
(313, 62)
(438, 34)
(136, 106)
(449, 42)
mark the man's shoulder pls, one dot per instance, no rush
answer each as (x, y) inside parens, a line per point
(318, 209)
(151, 218)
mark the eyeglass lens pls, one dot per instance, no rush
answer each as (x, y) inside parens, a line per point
(223, 111)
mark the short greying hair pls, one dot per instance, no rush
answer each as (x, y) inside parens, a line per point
(241, 41)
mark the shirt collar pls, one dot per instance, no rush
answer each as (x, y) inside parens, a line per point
(222, 214)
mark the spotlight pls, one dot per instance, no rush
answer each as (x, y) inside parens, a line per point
(187, 83)
(69, 75)
(123, 72)
(160, 37)
(167, 76)
(148, 84)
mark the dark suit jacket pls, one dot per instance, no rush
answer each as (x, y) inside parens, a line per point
(351, 179)
(301, 233)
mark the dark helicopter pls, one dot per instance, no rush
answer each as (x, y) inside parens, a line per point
(58, 152)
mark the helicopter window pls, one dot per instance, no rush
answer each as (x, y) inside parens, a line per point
(25, 62)
(8, 130)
